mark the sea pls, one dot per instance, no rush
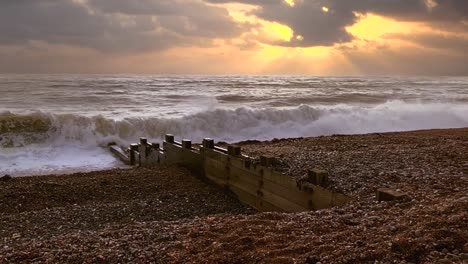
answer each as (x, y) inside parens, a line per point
(51, 124)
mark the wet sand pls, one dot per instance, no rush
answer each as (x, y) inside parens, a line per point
(165, 215)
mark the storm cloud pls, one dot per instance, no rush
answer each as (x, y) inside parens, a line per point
(324, 22)
(63, 35)
(114, 25)
(126, 25)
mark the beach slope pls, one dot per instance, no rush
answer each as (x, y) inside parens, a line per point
(166, 215)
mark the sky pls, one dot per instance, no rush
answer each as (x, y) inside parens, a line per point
(312, 37)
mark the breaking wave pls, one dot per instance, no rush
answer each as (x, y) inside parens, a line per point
(43, 143)
(230, 125)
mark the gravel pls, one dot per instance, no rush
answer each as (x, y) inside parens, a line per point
(164, 215)
(418, 162)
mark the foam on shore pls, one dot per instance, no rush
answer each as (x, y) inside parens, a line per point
(40, 142)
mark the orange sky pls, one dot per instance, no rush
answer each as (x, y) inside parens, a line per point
(380, 45)
(225, 58)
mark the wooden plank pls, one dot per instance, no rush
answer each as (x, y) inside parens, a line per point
(259, 186)
(253, 190)
(280, 202)
(244, 176)
(293, 194)
(218, 181)
(172, 153)
(323, 198)
(216, 169)
(279, 178)
(255, 201)
(216, 155)
(245, 197)
(153, 157)
(120, 154)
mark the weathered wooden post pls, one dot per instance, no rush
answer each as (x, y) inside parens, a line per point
(155, 146)
(133, 153)
(318, 177)
(169, 138)
(143, 148)
(186, 144)
(208, 143)
(234, 150)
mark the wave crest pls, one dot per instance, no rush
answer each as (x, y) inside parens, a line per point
(231, 125)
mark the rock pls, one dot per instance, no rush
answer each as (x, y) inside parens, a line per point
(5, 178)
(387, 194)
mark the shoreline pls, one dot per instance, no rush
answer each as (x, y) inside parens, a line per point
(249, 144)
(165, 215)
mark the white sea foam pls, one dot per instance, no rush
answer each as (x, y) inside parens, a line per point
(39, 159)
(64, 122)
(78, 142)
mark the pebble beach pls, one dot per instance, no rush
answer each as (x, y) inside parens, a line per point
(167, 215)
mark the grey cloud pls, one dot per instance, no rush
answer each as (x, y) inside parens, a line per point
(452, 43)
(318, 28)
(417, 10)
(410, 61)
(310, 23)
(186, 17)
(114, 25)
(308, 20)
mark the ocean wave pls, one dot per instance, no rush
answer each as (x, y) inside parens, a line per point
(230, 124)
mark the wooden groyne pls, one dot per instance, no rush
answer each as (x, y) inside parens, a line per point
(255, 183)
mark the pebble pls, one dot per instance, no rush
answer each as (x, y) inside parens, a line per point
(204, 239)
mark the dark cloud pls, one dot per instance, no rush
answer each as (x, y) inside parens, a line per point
(443, 53)
(132, 25)
(311, 25)
(187, 17)
(318, 28)
(113, 29)
(114, 25)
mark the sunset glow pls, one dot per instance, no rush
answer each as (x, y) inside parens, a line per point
(371, 27)
(318, 37)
